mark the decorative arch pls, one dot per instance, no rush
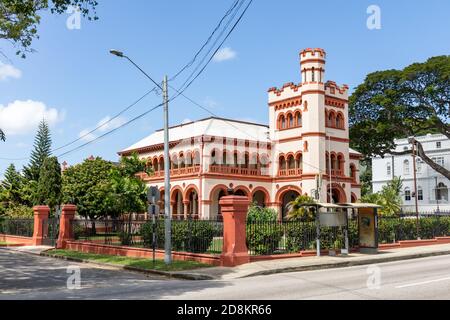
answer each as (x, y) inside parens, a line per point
(340, 120)
(298, 118)
(263, 190)
(173, 192)
(217, 188)
(245, 189)
(354, 198)
(336, 187)
(283, 190)
(189, 189)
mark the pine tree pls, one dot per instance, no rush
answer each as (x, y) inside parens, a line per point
(12, 185)
(49, 186)
(42, 150)
(2, 135)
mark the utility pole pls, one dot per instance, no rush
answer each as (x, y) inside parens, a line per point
(167, 215)
(415, 184)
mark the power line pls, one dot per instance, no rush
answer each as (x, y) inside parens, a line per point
(106, 122)
(179, 92)
(218, 48)
(111, 131)
(190, 63)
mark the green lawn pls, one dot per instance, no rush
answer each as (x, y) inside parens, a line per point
(146, 264)
(5, 243)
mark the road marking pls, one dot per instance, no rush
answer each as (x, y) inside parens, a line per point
(421, 283)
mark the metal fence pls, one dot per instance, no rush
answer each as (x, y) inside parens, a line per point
(283, 237)
(393, 229)
(195, 236)
(17, 227)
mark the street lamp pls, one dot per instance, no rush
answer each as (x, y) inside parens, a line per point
(167, 217)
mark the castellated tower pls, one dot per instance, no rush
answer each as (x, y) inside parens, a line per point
(309, 131)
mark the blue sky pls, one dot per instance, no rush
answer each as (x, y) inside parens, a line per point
(75, 81)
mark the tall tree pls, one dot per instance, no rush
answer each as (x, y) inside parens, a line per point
(2, 135)
(49, 186)
(88, 186)
(12, 185)
(19, 19)
(402, 103)
(41, 151)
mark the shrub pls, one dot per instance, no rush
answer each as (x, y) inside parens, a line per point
(191, 236)
(263, 232)
(19, 212)
(300, 236)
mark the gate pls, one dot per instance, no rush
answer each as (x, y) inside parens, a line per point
(50, 229)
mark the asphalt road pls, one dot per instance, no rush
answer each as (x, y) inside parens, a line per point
(25, 276)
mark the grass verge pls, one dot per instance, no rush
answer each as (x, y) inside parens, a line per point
(146, 264)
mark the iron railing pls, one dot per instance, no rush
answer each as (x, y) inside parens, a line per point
(284, 237)
(195, 236)
(17, 227)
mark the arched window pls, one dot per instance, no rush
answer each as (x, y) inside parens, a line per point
(419, 165)
(407, 194)
(298, 119)
(283, 122)
(282, 164)
(290, 121)
(291, 162)
(406, 167)
(181, 161)
(340, 121)
(299, 161)
(196, 158)
(353, 172)
(313, 76)
(214, 158)
(388, 169)
(442, 192)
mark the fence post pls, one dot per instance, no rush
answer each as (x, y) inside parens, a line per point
(65, 225)
(41, 214)
(234, 211)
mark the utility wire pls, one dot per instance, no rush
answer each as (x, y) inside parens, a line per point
(215, 42)
(190, 63)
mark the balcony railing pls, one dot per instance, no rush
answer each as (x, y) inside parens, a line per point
(290, 172)
(335, 172)
(173, 172)
(238, 170)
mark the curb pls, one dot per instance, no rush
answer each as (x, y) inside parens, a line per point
(346, 264)
(173, 275)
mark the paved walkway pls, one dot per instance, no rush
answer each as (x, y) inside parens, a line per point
(325, 262)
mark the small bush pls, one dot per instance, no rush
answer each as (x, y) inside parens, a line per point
(189, 236)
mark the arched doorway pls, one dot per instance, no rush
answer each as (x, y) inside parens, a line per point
(337, 194)
(191, 198)
(177, 204)
(216, 194)
(287, 198)
(259, 198)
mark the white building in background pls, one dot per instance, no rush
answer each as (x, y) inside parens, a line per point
(432, 187)
(307, 136)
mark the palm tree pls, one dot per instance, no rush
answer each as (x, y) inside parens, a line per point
(298, 211)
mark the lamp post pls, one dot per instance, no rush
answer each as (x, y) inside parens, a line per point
(167, 215)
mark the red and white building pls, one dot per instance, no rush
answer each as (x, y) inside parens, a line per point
(307, 137)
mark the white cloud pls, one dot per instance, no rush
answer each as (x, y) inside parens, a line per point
(86, 136)
(22, 117)
(9, 71)
(186, 121)
(106, 124)
(225, 54)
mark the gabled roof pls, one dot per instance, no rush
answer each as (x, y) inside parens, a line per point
(213, 126)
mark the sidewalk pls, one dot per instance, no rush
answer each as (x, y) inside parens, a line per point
(315, 263)
(36, 250)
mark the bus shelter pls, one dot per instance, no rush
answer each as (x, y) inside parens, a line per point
(337, 215)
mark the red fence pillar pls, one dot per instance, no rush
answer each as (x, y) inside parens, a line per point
(65, 225)
(234, 211)
(40, 215)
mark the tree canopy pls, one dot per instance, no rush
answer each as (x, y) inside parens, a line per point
(19, 19)
(49, 185)
(41, 151)
(402, 104)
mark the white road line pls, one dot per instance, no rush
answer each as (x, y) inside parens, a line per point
(421, 283)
